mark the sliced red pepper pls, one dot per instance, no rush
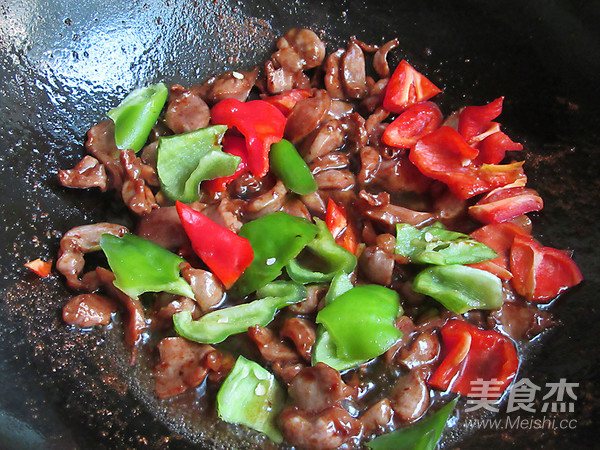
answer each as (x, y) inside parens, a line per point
(506, 203)
(445, 156)
(259, 121)
(286, 101)
(541, 273)
(494, 147)
(469, 355)
(340, 227)
(42, 268)
(412, 125)
(499, 237)
(224, 252)
(233, 145)
(407, 87)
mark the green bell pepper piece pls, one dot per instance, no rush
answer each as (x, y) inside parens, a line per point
(251, 396)
(275, 238)
(142, 266)
(422, 435)
(290, 168)
(361, 321)
(217, 326)
(460, 288)
(183, 161)
(341, 283)
(436, 245)
(331, 257)
(136, 115)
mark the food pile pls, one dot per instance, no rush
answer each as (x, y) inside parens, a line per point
(371, 251)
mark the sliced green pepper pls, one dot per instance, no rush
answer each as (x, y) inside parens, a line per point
(341, 283)
(331, 258)
(142, 266)
(183, 161)
(136, 115)
(436, 245)
(290, 168)
(423, 435)
(361, 321)
(251, 396)
(275, 238)
(460, 288)
(217, 326)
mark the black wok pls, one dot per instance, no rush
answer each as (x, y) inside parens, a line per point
(64, 63)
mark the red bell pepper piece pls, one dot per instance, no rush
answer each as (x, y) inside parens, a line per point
(234, 145)
(506, 203)
(340, 227)
(498, 237)
(470, 354)
(260, 122)
(286, 101)
(476, 126)
(42, 268)
(541, 273)
(224, 252)
(407, 87)
(412, 125)
(445, 156)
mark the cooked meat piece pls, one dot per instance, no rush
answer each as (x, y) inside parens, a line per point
(449, 206)
(374, 96)
(186, 110)
(278, 80)
(227, 212)
(367, 48)
(163, 227)
(294, 207)
(377, 265)
(390, 215)
(374, 120)
(381, 199)
(339, 109)
(148, 155)
(410, 397)
(314, 293)
(158, 130)
(424, 350)
(327, 430)
(386, 242)
(87, 173)
(75, 243)
(378, 418)
(299, 49)
(317, 387)
(332, 160)
(89, 310)
(101, 145)
(208, 290)
(136, 195)
(370, 160)
(267, 203)
(335, 179)
(161, 316)
(380, 63)
(400, 175)
(356, 133)
(270, 347)
(287, 370)
(333, 82)
(182, 366)
(315, 204)
(229, 85)
(247, 186)
(520, 321)
(407, 327)
(219, 365)
(327, 138)
(353, 71)
(302, 333)
(306, 116)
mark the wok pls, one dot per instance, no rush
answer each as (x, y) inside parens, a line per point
(63, 64)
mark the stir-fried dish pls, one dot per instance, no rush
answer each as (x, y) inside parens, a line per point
(373, 253)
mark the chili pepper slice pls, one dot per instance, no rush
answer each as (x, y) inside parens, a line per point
(506, 203)
(460, 288)
(136, 115)
(414, 123)
(474, 355)
(407, 87)
(286, 101)
(361, 321)
(275, 238)
(341, 228)
(224, 252)
(216, 326)
(289, 167)
(42, 268)
(261, 123)
(233, 145)
(183, 161)
(142, 266)
(251, 396)
(541, 273)
(331, 259)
